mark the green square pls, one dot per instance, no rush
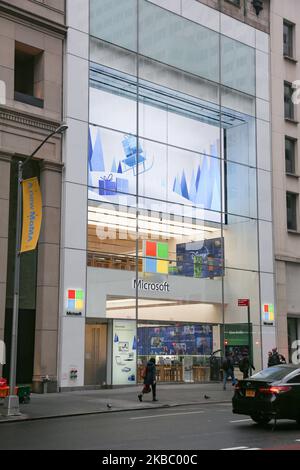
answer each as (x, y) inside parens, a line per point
(163, 250)
(198, 265)
(79, 295)
(271, 308)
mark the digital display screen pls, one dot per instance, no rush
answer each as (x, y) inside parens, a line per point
(175, 340)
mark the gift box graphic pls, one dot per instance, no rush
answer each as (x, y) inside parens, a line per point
(107, 187)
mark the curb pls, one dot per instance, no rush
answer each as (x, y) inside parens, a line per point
(24, 418)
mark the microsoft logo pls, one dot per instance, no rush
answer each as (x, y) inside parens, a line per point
(155, 257)
(75, 299)
(268, 312)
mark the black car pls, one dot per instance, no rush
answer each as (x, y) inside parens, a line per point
(271, 393)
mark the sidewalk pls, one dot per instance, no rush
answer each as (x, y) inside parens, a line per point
(65, 404)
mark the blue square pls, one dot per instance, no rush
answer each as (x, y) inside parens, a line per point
(71, 304)
(150, 265)
(266, 316)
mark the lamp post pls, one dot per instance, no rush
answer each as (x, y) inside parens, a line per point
(258, 6)
(11, 403)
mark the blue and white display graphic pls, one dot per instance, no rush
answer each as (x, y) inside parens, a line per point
(124, 352)
(165, 173)
(175, 340)
(201, 259)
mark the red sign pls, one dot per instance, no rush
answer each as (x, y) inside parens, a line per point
(243, 302)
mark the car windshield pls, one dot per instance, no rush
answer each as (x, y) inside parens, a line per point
(273, 373)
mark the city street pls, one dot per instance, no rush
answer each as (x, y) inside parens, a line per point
(195, 427)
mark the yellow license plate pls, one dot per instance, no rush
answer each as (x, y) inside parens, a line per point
(250, 393)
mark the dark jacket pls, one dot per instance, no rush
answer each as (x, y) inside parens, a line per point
(150, 377)
(274, 359)
(228, 364)
(244, 364)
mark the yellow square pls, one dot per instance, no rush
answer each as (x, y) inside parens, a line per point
(271, 316)
(162, 267)
(79, 304)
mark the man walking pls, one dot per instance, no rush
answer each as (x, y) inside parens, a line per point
(228, 369)
(245, 364)
(149, 380)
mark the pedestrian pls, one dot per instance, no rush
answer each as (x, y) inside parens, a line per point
(270, 359)
(245, 364)
(228, 369)
(275, 358)
(149, 380)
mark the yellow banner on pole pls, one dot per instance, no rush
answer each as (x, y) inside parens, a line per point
(32, 214)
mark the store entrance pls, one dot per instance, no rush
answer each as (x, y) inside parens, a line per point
(183, 352)
(95, 354)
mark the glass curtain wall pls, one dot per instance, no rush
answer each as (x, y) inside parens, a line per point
(172, 226)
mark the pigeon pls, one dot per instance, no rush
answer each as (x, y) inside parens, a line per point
(206, 397)
(108, 406)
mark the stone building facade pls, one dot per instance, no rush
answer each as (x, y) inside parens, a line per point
(32, 35)
(285, 70)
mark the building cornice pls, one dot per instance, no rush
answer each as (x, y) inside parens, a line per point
(26, 18)
(49, 7)
(6, 156)
(45, 165)
(8, 115)
(48, 165)
(287, 259)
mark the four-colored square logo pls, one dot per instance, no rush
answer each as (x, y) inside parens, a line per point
(268, 313)
(75, 299)
(155, 259)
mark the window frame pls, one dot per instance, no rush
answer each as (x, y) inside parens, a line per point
(293, 228)
(236, 3)
(33, 58)
(291, 116)
(293, 141)
(290, 52)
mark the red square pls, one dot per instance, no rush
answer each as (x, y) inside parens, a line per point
(151, 249)
(266, 308)
(71, 294)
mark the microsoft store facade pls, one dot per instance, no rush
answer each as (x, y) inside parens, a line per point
(167, 217)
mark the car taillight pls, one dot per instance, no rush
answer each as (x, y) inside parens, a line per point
(280, 389)
(275, 390)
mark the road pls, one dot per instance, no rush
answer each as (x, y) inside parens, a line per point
(211, 426)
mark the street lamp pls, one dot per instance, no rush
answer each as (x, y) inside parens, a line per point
(11, 403)
(258, 6)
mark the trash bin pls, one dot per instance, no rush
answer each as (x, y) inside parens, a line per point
(215, 362)
(215, 366)
(24, 393)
